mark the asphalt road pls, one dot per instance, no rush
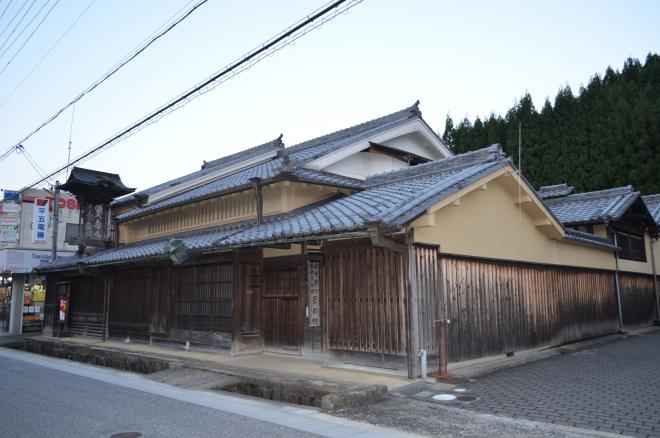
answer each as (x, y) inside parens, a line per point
(42, 397)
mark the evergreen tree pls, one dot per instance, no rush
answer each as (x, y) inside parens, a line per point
(606, 135)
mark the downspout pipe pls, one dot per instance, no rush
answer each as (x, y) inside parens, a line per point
(616, 278)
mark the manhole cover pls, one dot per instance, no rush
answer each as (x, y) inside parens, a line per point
(126, 435)
(444, 397)
(466, 398)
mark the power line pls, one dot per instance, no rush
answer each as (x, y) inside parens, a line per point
(48, 52)
(5, 10)
(18, 24)
(13, 18)
(106, 76)
(26, 27)
(29, 36)
(268, 48)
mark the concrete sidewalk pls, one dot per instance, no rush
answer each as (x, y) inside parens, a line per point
(264, 362)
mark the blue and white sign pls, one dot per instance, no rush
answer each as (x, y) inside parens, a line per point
(40, 220)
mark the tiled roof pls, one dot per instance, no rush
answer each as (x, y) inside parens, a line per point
(299, 155)
(397, 199)
(265, 171)
(271, 146)
(207, 167)
(392, 204)
(555, 191)
(589, 239)
(145, 250)
(317, 147)
(593, 207)
(653, 204)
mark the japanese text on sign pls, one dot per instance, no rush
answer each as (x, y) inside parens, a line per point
(40, 220)
(313, 284)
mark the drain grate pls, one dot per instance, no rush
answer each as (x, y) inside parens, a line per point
(126, 435)
(466, 398)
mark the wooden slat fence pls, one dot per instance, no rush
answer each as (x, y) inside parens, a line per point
(363, 288)
(637, 300)
(496, 307)
(431, 305)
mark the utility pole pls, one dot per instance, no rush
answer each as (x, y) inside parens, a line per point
(56, 219)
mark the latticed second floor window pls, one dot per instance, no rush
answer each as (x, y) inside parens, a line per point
(632, 247)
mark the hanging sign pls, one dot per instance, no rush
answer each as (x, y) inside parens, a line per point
(313, 286)
(40, 220)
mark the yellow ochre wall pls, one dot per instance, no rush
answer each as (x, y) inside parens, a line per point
(487, 223)
(277, 198)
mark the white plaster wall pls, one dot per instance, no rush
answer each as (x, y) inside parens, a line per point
(364, 164)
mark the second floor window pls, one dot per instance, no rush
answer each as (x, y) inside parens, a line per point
(632, 247)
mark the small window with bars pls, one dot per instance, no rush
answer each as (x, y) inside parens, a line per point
(632, 247)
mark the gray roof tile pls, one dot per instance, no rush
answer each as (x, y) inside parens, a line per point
(555, 191)
(391, 204)
(298, 154)
(396, 200)
(593, 207)
(589, 239)
(653, 204)
(145, 250)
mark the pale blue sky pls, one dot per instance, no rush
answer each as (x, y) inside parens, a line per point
(466, 58)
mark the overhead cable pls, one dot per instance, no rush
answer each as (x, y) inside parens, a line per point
(48, 52)
(268, 48)
(5, 10)
(106, 76)
(25, 28)
(28, 38)
(18, 24)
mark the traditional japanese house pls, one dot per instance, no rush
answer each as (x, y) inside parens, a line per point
(623, 216)
(359, 246)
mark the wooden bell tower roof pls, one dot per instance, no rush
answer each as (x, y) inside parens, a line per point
(94, 186)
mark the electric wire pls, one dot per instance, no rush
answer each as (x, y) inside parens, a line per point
(48, 52)
(107, 75)
(31, 161)
(266, 49)
(12, 19)
(27, 40)
(18, 24)
(5, 10)
(25, 28)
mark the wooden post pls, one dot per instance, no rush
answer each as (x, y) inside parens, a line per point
(106, 306)
(413, 313)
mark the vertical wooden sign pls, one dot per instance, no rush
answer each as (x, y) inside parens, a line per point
(313, 287)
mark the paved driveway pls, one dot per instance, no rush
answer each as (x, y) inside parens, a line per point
(613, 388)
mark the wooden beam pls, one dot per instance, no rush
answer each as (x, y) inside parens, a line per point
(545, 222)
(427, 220)
(523, 199)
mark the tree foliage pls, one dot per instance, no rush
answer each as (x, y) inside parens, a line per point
(606, 135)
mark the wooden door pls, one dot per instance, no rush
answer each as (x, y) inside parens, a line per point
(281, 310)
